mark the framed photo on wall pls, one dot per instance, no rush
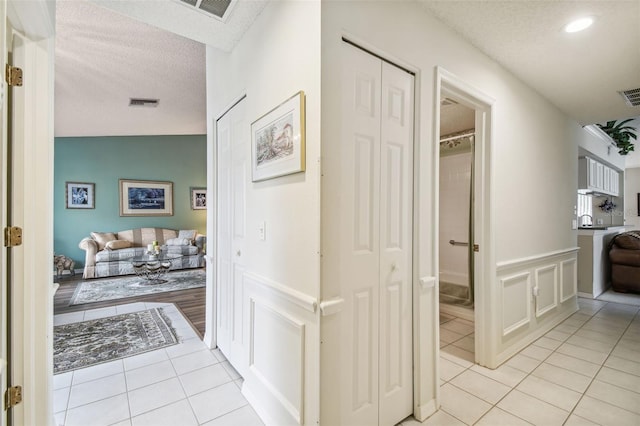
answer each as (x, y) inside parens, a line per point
(278, 140)
(80, 195)
(146, 198)
(198, 198)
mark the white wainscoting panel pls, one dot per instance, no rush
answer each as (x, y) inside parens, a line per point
(547, 284)
(535, 294)
(569, 274)
(282, 337)
(276, 355)
(516, 302)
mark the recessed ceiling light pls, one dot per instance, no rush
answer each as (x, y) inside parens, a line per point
(579, 24)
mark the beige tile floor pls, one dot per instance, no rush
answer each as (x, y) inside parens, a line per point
(181, 385)
(585, 371)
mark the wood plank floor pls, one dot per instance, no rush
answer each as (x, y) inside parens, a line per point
(191, 301)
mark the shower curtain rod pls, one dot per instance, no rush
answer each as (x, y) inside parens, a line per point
(460, 136)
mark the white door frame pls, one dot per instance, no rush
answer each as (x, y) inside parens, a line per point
(32, 315)
(451, 86)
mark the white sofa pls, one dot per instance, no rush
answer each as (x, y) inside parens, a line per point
(110, 253)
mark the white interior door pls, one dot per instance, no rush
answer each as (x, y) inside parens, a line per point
(396, 228)
(376, 239)
(233, 174)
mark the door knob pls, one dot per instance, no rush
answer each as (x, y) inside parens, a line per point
(238, 253)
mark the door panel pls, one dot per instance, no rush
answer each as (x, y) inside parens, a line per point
(376, 225)
(396, 213)
(224, 279)
(360, 236)
(233, 173)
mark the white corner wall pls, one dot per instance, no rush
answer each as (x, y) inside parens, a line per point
(276, 58)
(533, 151)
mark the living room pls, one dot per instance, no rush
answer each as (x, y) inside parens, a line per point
(118, 145)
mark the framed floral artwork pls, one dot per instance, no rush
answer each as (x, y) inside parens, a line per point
(80, 195)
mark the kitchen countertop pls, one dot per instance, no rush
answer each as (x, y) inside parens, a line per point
(590, 230)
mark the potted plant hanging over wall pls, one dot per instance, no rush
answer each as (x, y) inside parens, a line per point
(621, 135)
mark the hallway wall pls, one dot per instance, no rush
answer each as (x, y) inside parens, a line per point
(280, 279)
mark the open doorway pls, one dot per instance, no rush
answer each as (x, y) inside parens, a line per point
(464, 249)
(456, 278)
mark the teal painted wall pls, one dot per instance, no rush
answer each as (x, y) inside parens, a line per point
(103, 161)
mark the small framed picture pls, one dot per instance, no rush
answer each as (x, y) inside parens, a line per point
(80, 195)
(198, 198)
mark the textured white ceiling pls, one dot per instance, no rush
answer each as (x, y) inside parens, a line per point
(104, 57)
(175, 16)
(581, 72)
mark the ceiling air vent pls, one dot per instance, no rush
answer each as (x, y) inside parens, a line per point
(139, 102)
(216, 8)
(631, 97)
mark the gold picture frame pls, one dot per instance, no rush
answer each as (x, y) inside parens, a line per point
(146, 198)
(278, 140)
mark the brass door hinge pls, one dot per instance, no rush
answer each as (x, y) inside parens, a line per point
(476, 247)
(12, 236)
(13, 75)
(12, 397)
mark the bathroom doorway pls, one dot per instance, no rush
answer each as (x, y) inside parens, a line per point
(465, 250)
(456, 278)
(457, 130)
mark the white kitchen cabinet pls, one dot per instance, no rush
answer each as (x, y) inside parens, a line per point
(606, 179)
(595, 176)
(599, 176)
(592, 171)
(615, 182)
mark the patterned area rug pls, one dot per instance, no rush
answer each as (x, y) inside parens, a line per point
(131, 286)
(82, 344)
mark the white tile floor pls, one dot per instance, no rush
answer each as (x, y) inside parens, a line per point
(181, 385)
(585, 371)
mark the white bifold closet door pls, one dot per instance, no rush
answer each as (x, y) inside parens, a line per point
(232, 144)
(376, 239)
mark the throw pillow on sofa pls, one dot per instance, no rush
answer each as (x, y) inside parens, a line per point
(102, 238)
(117, 244)
(178, 242)
(188, 234)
